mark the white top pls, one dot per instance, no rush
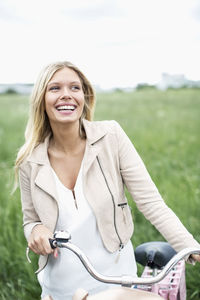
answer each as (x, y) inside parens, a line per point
(64, 275)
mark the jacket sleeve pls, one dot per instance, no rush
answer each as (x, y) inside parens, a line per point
(30, 217)
(147, 197)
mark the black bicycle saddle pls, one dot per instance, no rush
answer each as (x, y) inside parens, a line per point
(154, 254)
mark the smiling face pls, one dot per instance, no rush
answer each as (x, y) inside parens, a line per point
(64, 97)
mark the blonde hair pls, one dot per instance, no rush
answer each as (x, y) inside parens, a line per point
(38, 126)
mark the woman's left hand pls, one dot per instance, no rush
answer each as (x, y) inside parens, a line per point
(196, 257)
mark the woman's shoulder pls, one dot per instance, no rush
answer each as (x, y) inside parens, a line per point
(38, 155)
(96, 130)
(106, 125)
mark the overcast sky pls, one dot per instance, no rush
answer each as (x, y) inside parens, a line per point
(116, 43)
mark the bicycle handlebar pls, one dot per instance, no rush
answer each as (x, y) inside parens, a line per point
(61, 240)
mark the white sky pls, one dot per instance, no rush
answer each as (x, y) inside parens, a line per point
(116, 43)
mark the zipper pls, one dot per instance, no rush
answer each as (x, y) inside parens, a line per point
(121, 245)
(75, 201)
(122, 204)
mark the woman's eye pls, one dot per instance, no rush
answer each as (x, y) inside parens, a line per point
(54, 88)
(76, 88)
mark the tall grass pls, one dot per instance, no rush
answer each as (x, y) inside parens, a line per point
(164, 127)
(17, 280)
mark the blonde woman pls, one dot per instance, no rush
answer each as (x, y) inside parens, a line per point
(72, 174)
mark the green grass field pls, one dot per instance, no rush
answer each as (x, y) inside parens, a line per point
(164, 127)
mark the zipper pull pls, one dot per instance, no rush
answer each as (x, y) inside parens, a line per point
(122, 205)
(121, 246)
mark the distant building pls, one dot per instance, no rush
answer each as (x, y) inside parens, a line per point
(18, 88)
(176, 82)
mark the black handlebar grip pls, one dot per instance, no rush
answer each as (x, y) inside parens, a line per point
(53, 243)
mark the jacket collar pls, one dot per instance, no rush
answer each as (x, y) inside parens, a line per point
(94, 133)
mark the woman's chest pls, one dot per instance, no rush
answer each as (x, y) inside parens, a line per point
(67, 171)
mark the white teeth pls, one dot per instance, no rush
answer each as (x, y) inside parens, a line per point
(66, 107)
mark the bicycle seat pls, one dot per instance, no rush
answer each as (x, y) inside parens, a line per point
(154, 254)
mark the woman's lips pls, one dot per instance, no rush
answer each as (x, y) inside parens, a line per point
(66, 109)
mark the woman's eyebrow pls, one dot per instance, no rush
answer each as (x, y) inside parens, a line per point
(76, 82)
(56, 82)
(53, 82)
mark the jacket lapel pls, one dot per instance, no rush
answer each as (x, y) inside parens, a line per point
(94, 134)
(45, 180)
(91, 153)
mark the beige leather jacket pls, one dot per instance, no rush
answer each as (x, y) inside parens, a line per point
(110, 162)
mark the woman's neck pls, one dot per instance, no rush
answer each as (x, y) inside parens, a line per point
(66, 138)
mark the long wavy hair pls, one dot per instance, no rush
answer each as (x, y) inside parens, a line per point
(38, 126)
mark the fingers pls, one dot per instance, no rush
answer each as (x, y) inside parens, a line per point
(196, 257)
(39, 240)
(40, 245)
(55, 253)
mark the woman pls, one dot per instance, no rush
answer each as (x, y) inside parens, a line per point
(72, 174)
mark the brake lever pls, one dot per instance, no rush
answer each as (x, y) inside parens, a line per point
(53, 243)
(59, 237)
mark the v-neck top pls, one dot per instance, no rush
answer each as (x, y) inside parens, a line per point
(64, 275)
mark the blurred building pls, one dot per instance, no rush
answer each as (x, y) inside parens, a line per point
(176, 82)
(16, 88)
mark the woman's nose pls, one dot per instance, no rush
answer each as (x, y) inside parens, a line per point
(66, 93)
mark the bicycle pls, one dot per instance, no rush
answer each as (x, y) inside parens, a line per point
(163, 276)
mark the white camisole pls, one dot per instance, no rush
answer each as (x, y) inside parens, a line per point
(64, 275)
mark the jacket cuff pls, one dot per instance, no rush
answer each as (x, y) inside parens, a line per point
(28, 229)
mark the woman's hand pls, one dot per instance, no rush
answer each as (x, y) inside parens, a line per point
(196, 257)
(39, 241)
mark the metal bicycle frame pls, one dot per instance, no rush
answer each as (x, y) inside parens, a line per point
(124, 280)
